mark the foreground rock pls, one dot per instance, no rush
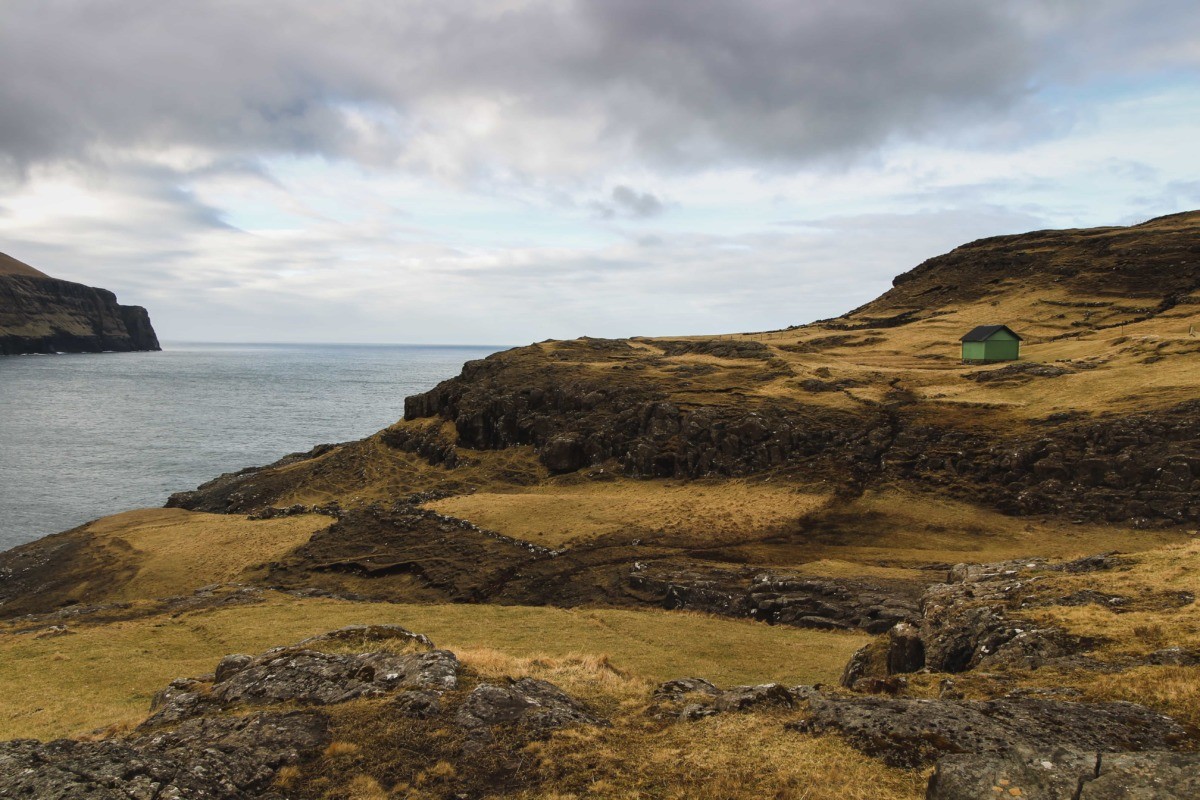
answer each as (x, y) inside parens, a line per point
(910, 733)
(1068, 775)
(536, 706)
(224, 758)
(968, 623)
(306, 677)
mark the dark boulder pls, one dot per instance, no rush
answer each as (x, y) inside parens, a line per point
(1162, 776)
(534, 706)
(1174, 657)
(1020, 372)
(901, 651)
(692, 698)
(418, 703)
(777, 598)
(564, 453)
(742, 698)
(231, 665)
(966, 625)
(365, 635)
(906, 651)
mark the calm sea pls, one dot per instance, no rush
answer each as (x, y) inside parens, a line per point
(82, 436)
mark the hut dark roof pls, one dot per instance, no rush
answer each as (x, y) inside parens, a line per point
(985, 332)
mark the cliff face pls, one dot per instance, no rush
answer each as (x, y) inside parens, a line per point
(40, 314)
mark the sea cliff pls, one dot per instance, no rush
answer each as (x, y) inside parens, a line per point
(41, 314)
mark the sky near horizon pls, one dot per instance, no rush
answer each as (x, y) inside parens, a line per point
(506, 171)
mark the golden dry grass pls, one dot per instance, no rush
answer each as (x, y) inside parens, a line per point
(1172, 690)
(890, 531)
(835, 568)
(925, 355)
(106, 674)
(178, 551)
(555, 515)
(728, 756)
(1155, 624)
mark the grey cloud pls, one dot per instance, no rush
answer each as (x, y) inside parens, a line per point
(1085, 39)
(678, 82)
(625, 201)
(638, 204)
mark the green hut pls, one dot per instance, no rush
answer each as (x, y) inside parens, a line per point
(991, 343)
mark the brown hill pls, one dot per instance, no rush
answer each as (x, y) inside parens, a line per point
(1117, 274)
(10, 266)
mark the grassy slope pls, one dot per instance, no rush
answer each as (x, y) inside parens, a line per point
(106, 673)
(558, 514)
(11, 266)
(175, 552)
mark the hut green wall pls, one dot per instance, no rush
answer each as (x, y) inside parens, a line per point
(1000, 347)
(973, 351)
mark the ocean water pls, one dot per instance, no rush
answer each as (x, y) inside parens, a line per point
(82, 436)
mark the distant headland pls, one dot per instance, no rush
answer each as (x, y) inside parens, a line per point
(41, 314)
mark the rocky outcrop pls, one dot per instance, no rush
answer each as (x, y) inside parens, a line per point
(975, 621)
(304, 676)
(226, 736)
(968, 623)
(1068, 775)
(46, 315)
(692, 698)
(779, 598)
(718, 348)
(1138, 468)
(910, 733)
(220, 758)
(901, 651)
(585, 420)
(970, 741)
(1021, 372)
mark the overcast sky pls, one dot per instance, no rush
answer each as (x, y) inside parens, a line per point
(504, 171)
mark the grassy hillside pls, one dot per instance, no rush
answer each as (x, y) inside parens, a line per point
(611, 514)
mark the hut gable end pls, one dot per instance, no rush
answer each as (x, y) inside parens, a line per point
(984, 332)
